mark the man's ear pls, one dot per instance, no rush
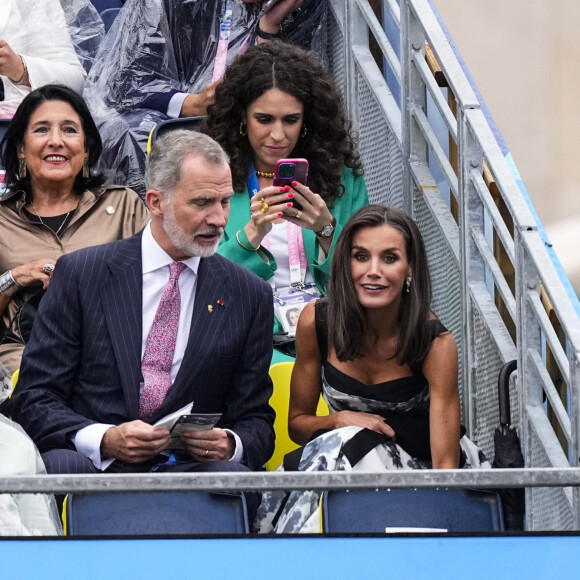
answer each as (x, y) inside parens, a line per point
(156, 202)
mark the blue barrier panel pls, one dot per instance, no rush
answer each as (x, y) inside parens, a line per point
(418, 558)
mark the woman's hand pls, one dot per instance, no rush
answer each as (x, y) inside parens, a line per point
(10, 63)
(268, 205)
(366, 420)
(314, 214)
(34, 273)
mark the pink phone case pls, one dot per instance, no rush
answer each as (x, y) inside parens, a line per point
(289, 170)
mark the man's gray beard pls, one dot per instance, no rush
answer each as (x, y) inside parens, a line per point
(186, 243)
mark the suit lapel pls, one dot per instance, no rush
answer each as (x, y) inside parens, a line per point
(213, 287)
(122, 298)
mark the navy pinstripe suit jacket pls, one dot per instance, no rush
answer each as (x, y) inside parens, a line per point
(82, 364)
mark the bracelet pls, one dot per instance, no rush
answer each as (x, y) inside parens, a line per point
(24, 73)
(266, 35)
(8, 285)
(250, 249)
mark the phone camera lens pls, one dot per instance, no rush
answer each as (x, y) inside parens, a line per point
(286, 170)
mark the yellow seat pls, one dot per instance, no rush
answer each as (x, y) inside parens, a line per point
(14, 381)
(280, 401)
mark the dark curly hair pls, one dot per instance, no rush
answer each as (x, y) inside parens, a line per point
(14, 137)
(328, 144)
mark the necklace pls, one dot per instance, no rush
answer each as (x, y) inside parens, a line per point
(63, 221)
(268, 174)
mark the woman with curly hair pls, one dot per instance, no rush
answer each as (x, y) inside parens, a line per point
(277, 102)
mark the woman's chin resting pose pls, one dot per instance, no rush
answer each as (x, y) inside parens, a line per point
(383, 362)
(53, 204)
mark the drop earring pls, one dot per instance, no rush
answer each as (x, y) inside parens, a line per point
(86, 172)
(22, 168)
(304, 131)
(243, 129)
(408, 284)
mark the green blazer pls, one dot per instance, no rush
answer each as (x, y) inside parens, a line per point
(354, 198)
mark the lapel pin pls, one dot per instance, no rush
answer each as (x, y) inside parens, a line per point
(220, 302)
(210, 308)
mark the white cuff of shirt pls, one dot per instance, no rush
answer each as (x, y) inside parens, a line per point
(175, 104)
(88, 443)
(239, 450)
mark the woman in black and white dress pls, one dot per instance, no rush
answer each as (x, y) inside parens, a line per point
(386, 366)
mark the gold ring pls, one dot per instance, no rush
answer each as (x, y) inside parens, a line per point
(264, 207)
(298, 214)
(206, 453)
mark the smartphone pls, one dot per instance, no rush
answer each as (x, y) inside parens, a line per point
(289, 170)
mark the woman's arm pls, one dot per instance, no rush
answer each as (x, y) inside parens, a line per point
(305, 385)
(31, 274)
(440, 369)
(305, 390)
(50, 55)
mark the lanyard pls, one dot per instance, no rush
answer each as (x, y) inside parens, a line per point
(296, 255)
(219, 66)
(252, 180)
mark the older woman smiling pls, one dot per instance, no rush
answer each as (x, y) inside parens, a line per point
(53, 205)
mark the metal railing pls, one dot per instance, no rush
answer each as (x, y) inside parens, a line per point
(496, 287)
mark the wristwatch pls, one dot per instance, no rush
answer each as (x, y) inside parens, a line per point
(327, 231)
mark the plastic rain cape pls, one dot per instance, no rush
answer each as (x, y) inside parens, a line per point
(85, 27)
(159, 46)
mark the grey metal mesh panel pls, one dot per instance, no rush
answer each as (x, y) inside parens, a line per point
(549, 505)
(379, 148)
(444, 271)
(488, 363)
(335, 52)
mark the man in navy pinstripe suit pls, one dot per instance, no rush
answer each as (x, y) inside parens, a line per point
(81, 380)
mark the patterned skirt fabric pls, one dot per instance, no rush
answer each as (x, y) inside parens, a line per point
(298, 511)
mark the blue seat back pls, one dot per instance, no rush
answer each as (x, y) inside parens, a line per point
(191, 123)
(374, 511)
(165, 513)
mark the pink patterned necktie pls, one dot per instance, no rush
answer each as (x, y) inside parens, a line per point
(160, 346)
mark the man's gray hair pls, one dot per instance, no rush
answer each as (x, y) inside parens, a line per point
(165, 161)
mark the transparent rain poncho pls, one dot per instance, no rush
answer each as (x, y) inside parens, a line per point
(163, 46)
(85, 27)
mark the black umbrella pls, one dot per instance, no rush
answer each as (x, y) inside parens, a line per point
(508, 453)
